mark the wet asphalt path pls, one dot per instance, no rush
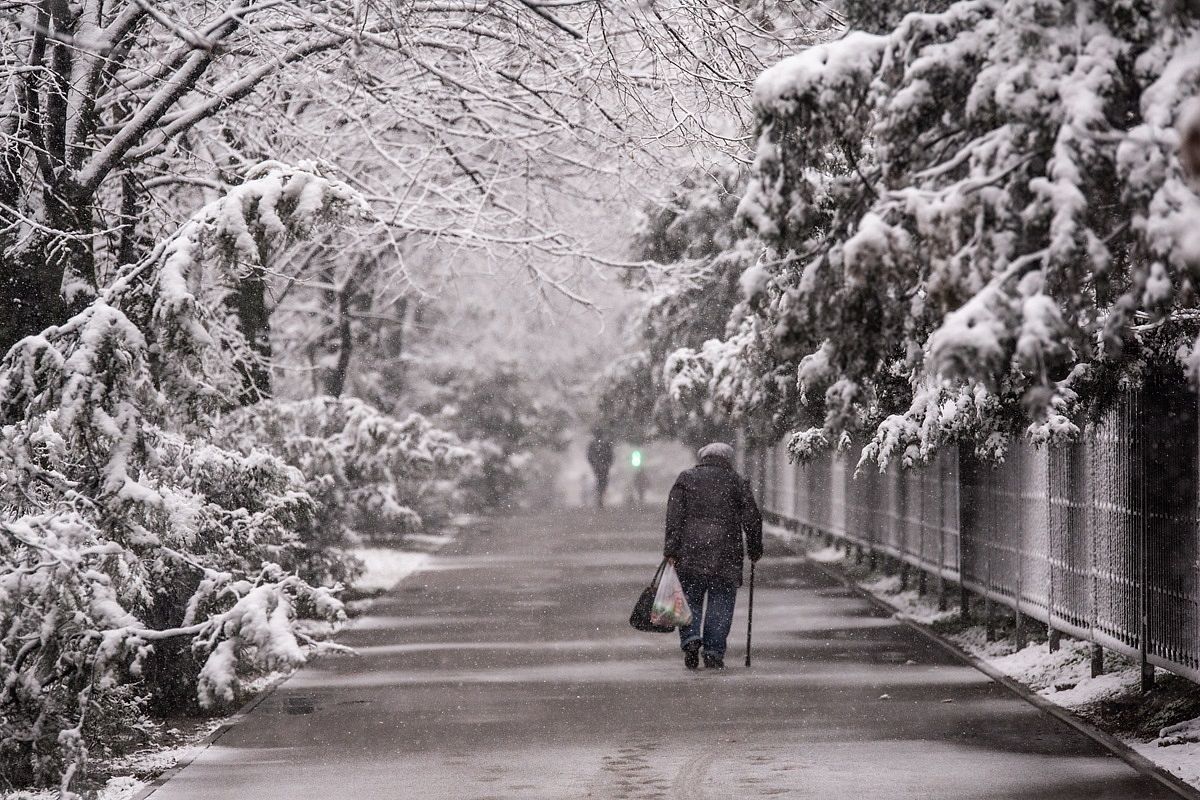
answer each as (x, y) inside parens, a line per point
(508, 670)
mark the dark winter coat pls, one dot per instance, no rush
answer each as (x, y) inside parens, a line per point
(709, 510)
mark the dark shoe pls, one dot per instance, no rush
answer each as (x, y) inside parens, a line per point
(713, 662)
(691, 655)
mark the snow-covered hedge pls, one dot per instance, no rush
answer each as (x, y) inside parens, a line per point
(134, 552)
(982, 225)
(368, 472)
(505, 418)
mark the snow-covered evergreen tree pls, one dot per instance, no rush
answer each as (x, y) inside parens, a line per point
(368, 473)
(980, 224)
(502, 418)
(132, 548)
(703, 254)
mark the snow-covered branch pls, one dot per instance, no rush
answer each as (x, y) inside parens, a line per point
(982, 220)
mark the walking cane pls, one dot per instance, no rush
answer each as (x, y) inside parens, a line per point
(750, 618)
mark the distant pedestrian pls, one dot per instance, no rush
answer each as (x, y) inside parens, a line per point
(600, 458)
(639, 484)
(712, 524)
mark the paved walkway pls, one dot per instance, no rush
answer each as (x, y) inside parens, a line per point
(508, 671)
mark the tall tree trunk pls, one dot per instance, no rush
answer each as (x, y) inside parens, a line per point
(30, 293)
(335, 380)
(133, 244)
(52, 275)
(254, 321)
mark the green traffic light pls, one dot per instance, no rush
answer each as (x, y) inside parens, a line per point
(635, 458)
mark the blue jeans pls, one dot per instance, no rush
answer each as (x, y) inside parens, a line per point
(717, 618)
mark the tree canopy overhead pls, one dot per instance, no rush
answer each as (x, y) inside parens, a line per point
(456, 120)
(978, 225)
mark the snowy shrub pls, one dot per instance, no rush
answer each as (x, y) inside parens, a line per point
(981, 220)
(1189, 137)
(134, 553)
(367, 471)
(504, 424)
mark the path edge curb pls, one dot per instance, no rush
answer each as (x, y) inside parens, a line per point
(1106, 740)
(199, 747)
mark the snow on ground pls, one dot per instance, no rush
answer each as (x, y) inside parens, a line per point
(1177, 749)
(386, 567)
(827, 555)
(122, 788)
(137, 769)
(1062, 677)
(909, 604)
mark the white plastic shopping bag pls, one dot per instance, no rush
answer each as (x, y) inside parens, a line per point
(670, 606)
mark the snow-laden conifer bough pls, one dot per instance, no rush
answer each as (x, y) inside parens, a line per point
(1189, 137)
(146, 552)
(979, 226)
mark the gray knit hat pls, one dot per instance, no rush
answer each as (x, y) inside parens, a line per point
(717, 450)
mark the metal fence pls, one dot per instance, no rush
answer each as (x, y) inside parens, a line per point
(1099, 540)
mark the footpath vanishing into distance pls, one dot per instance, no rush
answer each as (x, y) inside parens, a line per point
(508, 670)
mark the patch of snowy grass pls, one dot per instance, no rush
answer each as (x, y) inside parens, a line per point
(120, 788)
(132, 773)
(814, 549)
(1177, 750)
(884, 587)
(909, 603)
(385, 567)
(1064, 677)
(919, 608)
(974, 641)
(152, 761)
(1182, 733)
(1182, 759)
(827, 555)
(791, 538)
(1091, 690)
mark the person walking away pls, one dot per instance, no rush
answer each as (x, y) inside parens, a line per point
(600, 458)
(639, 487)
(713, 523)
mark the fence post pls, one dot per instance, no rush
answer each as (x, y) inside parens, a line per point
(1055, 639)
(1097, 660)
(989, 620)
(1142, 452)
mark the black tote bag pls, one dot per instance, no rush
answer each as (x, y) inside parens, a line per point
(640, 618)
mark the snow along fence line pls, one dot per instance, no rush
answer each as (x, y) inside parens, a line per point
(1098, 539)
